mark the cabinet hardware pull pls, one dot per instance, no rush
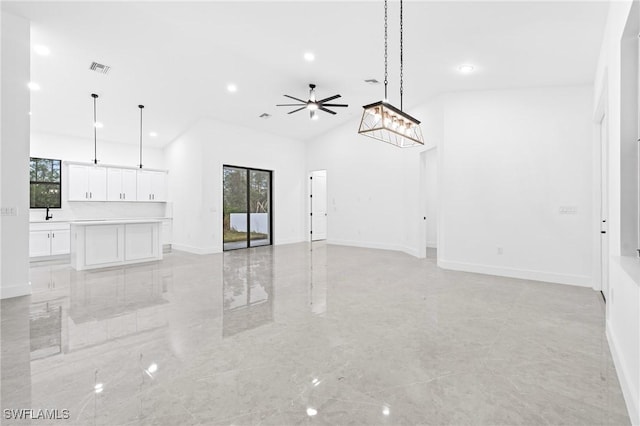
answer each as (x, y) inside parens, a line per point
(90, 195)
(53, 235)
(86, 195)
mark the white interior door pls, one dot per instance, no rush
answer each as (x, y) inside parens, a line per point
(604, 208)
(318, 197)
(431, 187)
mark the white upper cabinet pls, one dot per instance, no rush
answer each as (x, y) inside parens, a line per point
(152, 185)
(87, 183)
(121, 184)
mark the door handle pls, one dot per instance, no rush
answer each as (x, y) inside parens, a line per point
(603, 232)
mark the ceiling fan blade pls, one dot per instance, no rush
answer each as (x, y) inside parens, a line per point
(327, 110)
(335, 105)
(296, 99)
(296, 110)
(330, 98)
(291, 105)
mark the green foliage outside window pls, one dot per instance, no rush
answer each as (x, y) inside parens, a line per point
(45, 183)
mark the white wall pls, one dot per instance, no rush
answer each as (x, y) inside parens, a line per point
(510, 160)
(195, 162)
(370, 186)
(68, 148)
(14, 156)
(623, 308)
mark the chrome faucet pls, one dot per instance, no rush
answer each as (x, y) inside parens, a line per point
(47, 215)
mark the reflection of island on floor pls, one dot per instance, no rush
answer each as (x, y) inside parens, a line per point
(45, 325)
(125, 301)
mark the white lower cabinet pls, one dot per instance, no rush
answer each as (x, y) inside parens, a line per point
(49, 239)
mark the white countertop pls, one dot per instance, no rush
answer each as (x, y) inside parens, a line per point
(113, 221)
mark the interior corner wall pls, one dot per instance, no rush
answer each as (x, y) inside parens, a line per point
(367, 184)
(195, 161)
(623, 307)
(14, 156)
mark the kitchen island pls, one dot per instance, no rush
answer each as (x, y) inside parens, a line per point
(104, 243)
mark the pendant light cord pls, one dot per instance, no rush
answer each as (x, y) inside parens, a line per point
(386, 73)
(141, 107)
(95, 130)
(401, 56)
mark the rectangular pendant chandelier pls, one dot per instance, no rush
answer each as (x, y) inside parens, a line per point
(387, 123)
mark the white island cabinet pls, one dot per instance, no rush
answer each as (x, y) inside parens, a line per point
(104, 243)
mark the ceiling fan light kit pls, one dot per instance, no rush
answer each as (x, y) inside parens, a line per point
(314, 105)
(383, 121)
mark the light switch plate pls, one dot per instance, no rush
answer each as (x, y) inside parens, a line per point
(8, 211)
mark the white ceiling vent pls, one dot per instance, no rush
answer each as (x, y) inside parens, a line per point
(102, 69)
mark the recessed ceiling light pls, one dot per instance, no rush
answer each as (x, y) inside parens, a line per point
(309, 57)
(232, 88)
(311, 412)
(153, 134)
(98, 125)
(41, 50)
(33, 86)
(466, 68)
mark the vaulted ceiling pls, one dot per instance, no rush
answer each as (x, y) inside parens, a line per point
(177, 58)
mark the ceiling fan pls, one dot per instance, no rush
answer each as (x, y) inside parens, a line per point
(312, 104)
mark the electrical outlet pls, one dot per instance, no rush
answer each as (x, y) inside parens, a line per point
(499, 250)
(568, 210)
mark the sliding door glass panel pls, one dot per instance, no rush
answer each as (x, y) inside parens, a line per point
(235, 222)
(260, 208)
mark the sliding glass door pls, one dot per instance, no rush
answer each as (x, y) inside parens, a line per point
(247, 207)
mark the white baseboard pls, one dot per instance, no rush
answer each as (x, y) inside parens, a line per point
(631, 397)
(577, 280)
(379, 246)
(195, 250)
(7, 292)
(288, 241)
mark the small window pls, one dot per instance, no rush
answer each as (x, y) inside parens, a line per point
(45, 183)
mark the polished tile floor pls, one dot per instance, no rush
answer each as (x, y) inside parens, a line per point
(297, 334)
